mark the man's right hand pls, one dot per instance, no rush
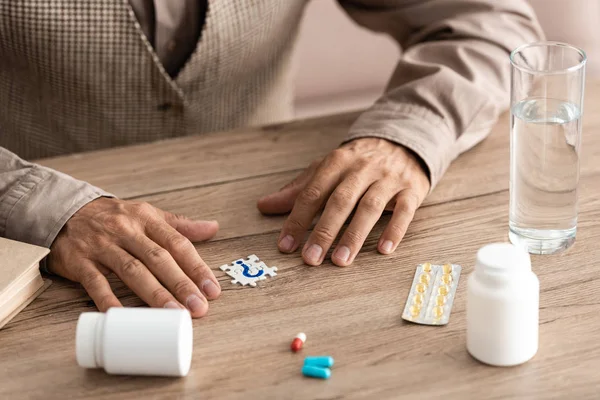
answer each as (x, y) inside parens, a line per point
(150, 250)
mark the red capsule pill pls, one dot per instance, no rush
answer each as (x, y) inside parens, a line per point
(298, 342)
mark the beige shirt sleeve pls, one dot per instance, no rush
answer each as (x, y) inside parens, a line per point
(452, 80)
(35, 202)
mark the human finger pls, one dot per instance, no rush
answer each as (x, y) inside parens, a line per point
(308, 203)
(141, 281)
(282, 201)
(185, 255)
(339, 206)
(164, 267)
(368, 212)
(96, 285)
(194, 230)
(407, 202)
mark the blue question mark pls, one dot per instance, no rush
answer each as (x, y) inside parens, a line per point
(246, 272)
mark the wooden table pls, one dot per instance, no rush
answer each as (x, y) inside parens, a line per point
(241, 350)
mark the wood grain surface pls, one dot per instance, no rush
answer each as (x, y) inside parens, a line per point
(241, 349)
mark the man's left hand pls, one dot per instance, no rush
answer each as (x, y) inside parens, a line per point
(368, 174)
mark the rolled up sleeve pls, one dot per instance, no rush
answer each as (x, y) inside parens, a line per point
(452, 80)
(36, 202)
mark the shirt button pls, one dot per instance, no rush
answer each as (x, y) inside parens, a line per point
(171, 45)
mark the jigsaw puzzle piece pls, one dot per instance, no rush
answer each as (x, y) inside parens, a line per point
(271, 271)
(248, 271)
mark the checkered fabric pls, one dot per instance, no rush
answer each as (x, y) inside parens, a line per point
(79, 75)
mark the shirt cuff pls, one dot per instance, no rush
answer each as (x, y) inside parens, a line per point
(414, 127)
(39, 205)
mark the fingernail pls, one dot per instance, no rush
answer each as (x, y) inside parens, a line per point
(342, 253)
(210, 289)
(171, 304)
(387, 246)
(195, 304)
(287, 243)
(313, 254)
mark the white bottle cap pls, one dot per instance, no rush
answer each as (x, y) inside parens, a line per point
(85, 341)
(498, 257)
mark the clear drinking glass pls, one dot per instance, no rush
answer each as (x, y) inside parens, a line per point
(545, 141)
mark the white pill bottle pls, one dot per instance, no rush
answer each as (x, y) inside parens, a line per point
(136, 341)
(502, 306)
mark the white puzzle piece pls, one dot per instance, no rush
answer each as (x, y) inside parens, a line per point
(248, 271)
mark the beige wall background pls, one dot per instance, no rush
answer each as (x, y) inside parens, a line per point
(342, 67)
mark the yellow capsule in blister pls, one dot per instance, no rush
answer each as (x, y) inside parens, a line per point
(427, 267)
(447, 268)
(440, 300)
(425, 278)
(438, 311)
(446, 279)
(418, 299)
(443, 290)
(420, 288)
(415, 311)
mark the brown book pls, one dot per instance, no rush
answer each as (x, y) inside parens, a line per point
(20, 278)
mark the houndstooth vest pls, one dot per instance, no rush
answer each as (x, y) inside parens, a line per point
(79, 75)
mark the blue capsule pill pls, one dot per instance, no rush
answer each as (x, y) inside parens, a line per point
(316, 372)
(319, 361)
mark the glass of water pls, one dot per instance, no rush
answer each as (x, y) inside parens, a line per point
(545, 141)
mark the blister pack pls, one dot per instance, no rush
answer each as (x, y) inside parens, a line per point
(432, 294)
